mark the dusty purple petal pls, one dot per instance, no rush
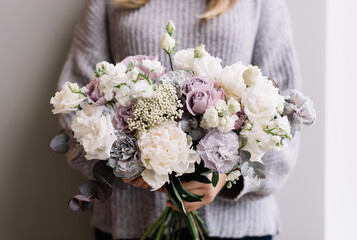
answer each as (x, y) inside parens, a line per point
(121, 117)
(93, 93)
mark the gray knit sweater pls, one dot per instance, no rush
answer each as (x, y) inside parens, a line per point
(254, 31)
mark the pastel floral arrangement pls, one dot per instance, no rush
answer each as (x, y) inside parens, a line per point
(192, 123)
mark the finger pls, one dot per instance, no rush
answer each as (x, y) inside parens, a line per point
(192, 185)
(171, 205)
(129, 180)
(138, 182)
(163, 189)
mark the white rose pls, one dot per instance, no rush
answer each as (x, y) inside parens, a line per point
(233, 106)
(165, 149)
(167, 43)
(183, 59)
(232, 81)
(252, 75)
(233, 176)
(154, 66)
(207, 66)
(67, 99)
(94, 130)
(210, 118)
(262, 101)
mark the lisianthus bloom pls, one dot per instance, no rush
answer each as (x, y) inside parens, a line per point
(120, 120)
(68, 99)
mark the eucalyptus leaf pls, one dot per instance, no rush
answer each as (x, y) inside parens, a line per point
(215, 179)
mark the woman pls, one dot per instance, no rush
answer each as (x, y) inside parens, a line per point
(251, 31)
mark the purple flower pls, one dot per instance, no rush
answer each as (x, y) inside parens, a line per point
(121, 117)
(201, 98)
(196, 82)
(219, 151)
(139, 59)
(93, 93)
(241, 120)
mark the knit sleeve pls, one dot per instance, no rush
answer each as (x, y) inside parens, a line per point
(274, 53)
(89, 46)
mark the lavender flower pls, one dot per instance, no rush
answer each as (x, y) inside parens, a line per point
(219, 151)
(125, 157)
(202, 97)
(93, 93)
(300, 110)
(197, 82)
(121, 117)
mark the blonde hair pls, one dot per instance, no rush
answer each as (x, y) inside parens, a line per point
(214, 7)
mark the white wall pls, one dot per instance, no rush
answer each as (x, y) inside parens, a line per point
(341, 119)
(301, 200)
(35, 183)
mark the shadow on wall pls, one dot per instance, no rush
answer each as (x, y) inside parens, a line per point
(35, 182)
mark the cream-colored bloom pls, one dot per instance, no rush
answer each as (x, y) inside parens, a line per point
(252, 75)
(233, 106)
(207, 66)
(262, 101)
(94, 130)
(167, 43)
(165, 149)
(226, 123)
(232, 81)
(183, 59)
(67, 99)
(154, 66)
(210, 118)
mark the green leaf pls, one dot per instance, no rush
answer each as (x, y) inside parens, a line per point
(185, 195)
(175, 197)
(215, 178)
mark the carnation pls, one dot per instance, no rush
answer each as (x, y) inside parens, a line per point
(93, 129)
(68, 99)
(219, 151)
(166, 149)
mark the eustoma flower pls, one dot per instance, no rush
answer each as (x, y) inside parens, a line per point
(68, 99)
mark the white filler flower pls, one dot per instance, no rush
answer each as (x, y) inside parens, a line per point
(165, 149)
(67, 99)
(94, 130)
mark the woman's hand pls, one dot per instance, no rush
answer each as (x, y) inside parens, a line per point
(198, 188)
(137, 182)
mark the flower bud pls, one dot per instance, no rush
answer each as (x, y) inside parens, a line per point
(167, 43)
(73, 87)
(170, 27)
(252, 75)
(200, 51)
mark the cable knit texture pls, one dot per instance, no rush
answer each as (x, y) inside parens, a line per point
(254, 31)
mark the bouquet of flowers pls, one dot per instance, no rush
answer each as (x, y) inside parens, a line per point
(192, 123)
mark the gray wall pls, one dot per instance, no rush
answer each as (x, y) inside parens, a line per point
(35, 183)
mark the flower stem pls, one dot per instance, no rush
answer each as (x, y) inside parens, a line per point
(192, 226)
(163, 222)
(172, 66)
